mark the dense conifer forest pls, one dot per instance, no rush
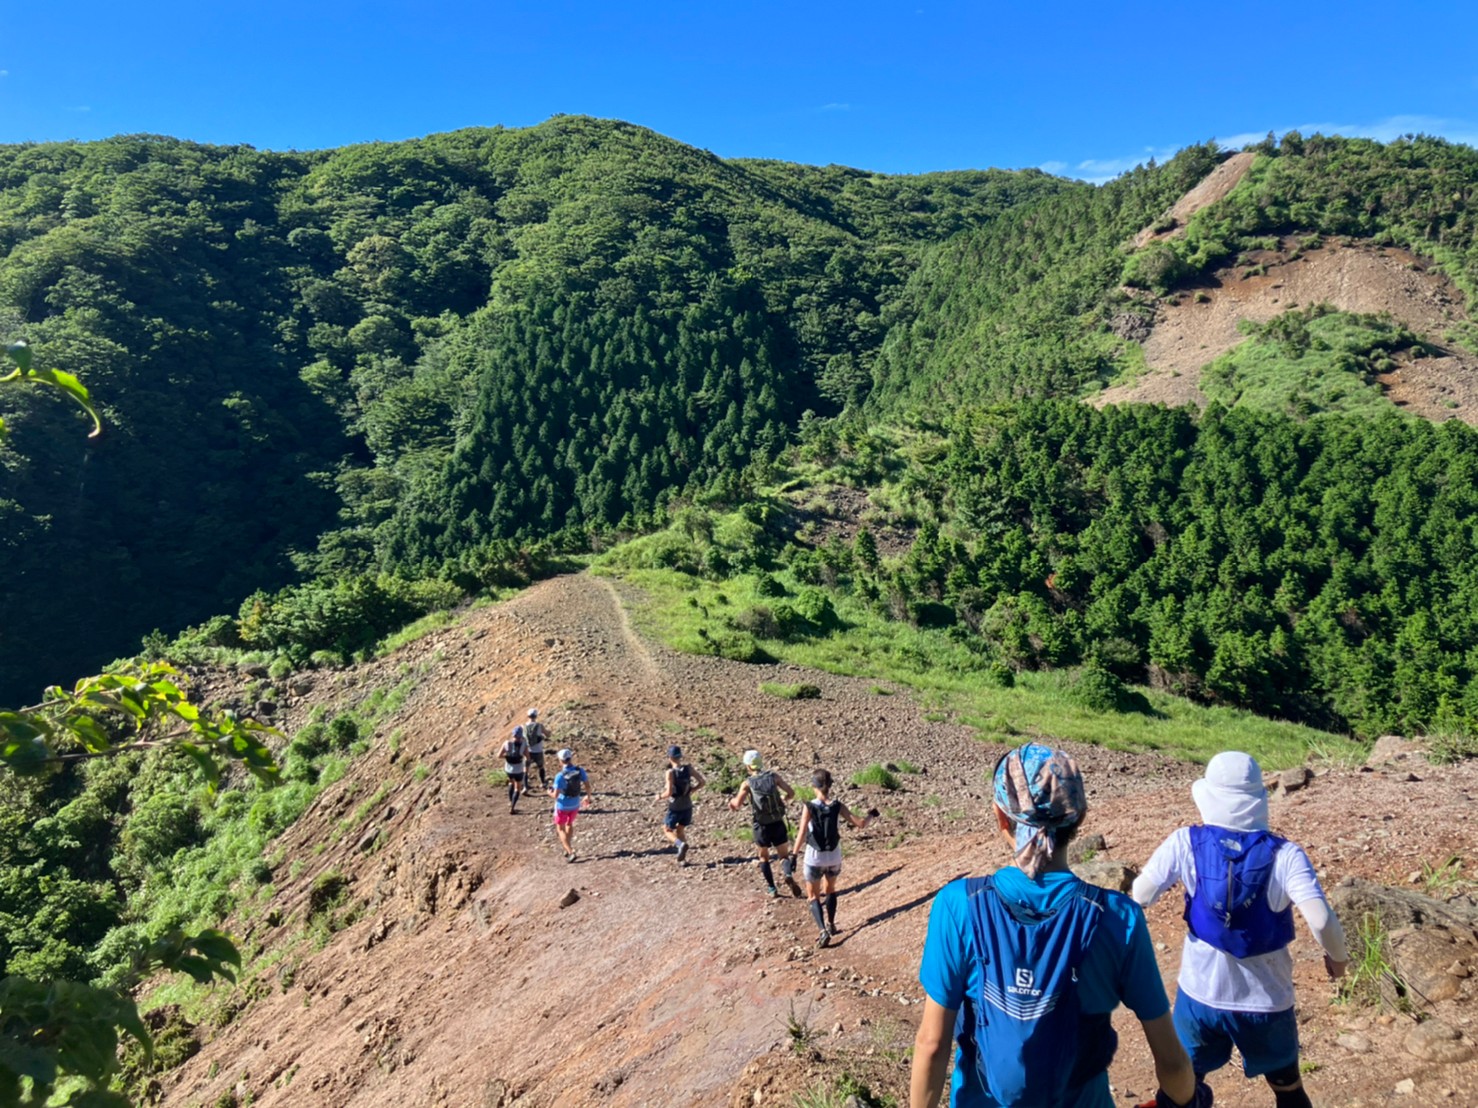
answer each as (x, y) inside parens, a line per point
(375, 359)
(345, 389)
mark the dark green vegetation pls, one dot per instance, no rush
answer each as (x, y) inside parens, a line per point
(1024, 306)
(1322, 571)
(398, 358)
(346, 390)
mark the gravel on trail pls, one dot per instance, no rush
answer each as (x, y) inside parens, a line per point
(470, 974)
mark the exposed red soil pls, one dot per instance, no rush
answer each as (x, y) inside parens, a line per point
(1212, 188)
(1198, 326)
(463, 983)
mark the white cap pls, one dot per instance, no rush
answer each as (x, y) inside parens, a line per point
(566, 755)
(533, 713)
(1231, 794)
(752, 758)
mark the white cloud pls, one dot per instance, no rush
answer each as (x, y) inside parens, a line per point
(835, 106)
(1383, 130)
(1098, 170)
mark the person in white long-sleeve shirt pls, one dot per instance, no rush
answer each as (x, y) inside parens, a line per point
(1241, 885)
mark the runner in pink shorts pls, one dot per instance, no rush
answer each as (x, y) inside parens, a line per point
(571, 791)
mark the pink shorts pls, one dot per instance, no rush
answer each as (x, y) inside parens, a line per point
(565, 819)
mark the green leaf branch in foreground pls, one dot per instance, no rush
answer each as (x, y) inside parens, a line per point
(60, 1038)
(63, 1036)
(139, 708)
(19, 354)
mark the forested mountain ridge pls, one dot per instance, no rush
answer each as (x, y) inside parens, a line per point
(288, 345)
(1045, 301)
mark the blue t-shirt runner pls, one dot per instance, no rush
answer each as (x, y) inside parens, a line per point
(1120, 967)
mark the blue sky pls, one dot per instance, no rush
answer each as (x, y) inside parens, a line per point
(1082, 89)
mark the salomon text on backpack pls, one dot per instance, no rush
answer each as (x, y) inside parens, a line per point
(1031, 1044)
(764, 796)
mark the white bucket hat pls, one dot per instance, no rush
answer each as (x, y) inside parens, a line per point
(1231, 794)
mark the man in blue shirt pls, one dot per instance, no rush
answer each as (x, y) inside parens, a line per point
(1039, 802)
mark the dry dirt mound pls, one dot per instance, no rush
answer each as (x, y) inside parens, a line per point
(1351, 275)
(462, 982)
(1212, 188)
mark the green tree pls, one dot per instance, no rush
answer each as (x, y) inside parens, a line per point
(59, 1037)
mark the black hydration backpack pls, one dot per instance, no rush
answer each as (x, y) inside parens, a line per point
(513, 752)
(764, 796)
(568, 783)
(825, 832)
(682, 782)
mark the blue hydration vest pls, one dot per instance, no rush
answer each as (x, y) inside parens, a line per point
(1230, 908)
(1029, 1040)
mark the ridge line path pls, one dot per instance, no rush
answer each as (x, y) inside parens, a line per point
(460, 981)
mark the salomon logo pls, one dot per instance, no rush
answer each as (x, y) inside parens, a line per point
(1025, 984)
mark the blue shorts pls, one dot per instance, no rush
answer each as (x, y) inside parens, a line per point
(675, 819)
(1267, 1041)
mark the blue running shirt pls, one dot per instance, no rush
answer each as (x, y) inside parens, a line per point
(1120, 967)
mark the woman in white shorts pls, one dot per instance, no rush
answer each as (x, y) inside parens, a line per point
(820, 831)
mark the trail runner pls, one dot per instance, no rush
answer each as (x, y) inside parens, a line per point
(820, 833)
(1242, 883)
(768, 793)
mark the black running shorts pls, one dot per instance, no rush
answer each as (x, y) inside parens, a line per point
(771, 834)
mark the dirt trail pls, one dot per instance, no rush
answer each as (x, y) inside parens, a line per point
(463, 983)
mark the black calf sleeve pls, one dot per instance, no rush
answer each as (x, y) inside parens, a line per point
(787, 865)
(767, 873)
(816, 914)
(1292, 1093)
(831, 907)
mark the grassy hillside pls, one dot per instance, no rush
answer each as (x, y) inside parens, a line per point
(1040, 303)
(287, 346)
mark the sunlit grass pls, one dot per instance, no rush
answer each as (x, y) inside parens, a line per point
(950, 682)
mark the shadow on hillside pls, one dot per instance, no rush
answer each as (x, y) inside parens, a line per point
(871, 881)
(898, 910)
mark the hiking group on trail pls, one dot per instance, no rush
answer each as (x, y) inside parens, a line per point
(1022, 969)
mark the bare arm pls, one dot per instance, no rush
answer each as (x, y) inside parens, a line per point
(698, 780)
(739, 797)
(1172, 1065)
(785, 790)
(667, 782)
(931, 1048)
(805, 824)
(853, 820)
